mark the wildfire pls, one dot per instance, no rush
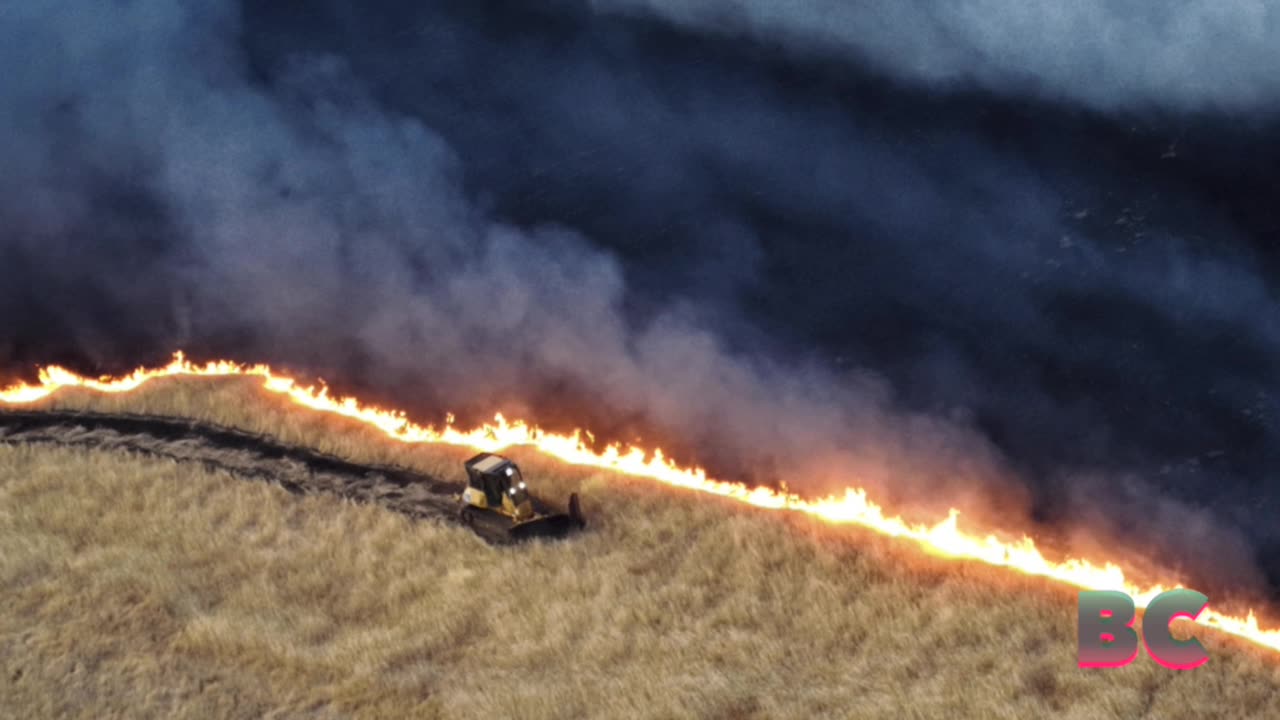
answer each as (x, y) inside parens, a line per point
(943, 538)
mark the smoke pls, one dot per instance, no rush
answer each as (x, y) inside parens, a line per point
(1126, 54)
(322, 227)
(645, 233)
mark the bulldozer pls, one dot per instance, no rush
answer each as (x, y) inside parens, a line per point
(496, 490)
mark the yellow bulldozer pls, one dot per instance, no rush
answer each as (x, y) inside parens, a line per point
(496, 490)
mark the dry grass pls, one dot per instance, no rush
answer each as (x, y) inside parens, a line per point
(136, 587)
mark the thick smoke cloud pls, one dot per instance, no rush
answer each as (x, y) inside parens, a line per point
(326, 227)
(604, 222)
(1196, 54)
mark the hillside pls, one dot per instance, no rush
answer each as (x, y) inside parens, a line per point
(143, 585)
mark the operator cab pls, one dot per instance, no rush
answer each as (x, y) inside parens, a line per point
(496, 477)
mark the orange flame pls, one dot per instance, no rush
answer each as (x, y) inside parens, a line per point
(943, 538)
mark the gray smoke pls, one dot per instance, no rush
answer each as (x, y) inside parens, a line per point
(309, 215)
(1196, 54)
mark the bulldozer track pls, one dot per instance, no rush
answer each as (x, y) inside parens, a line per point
(298, 470)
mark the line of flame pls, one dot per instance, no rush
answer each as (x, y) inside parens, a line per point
(944, 538)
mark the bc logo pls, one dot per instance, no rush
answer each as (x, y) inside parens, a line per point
(1108, 640)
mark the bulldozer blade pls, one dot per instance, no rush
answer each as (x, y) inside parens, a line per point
(575, 511)
(551, 526)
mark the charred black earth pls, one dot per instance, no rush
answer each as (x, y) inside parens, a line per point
(253, 456)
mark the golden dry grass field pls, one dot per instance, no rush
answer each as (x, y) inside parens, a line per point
(141, 587)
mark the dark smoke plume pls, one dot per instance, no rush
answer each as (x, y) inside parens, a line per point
(782, 267)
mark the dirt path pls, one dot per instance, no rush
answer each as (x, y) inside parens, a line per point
(296, 469)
